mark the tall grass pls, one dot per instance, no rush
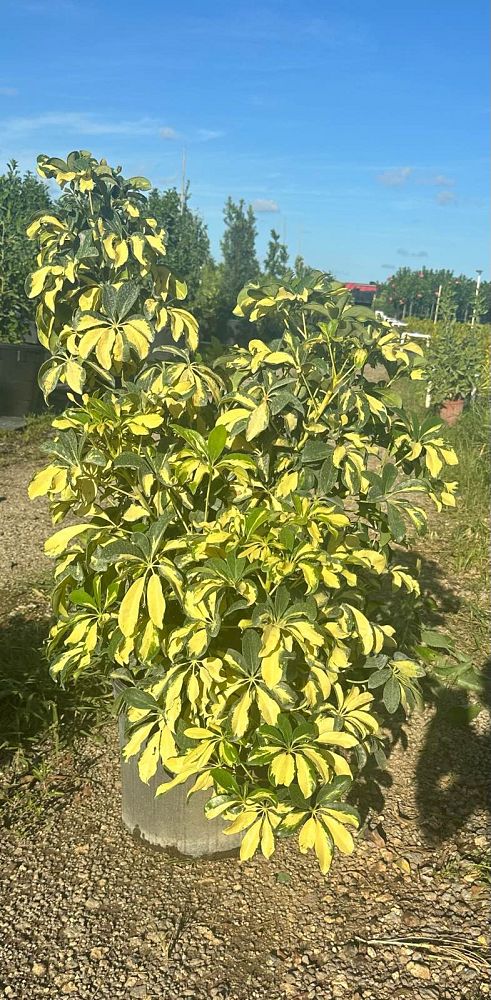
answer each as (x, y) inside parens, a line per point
(470, 525)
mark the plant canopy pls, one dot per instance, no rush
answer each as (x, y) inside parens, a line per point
(236, 555)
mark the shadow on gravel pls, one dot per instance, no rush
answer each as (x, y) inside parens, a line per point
(453, 769)
(33, 707)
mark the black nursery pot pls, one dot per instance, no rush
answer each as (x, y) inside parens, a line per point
(20, 394)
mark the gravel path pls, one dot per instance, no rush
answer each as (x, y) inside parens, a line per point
(87, 912)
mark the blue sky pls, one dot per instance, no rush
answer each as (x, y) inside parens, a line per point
(357, 129)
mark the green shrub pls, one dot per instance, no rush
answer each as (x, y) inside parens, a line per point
(457, 358)
(20, 197)
(233, 560)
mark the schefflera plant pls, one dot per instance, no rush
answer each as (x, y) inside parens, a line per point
(233, 559)
(102, 284)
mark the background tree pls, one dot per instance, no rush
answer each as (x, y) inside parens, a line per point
(20, 197)
(414, 293)
(238, 245)
(188, 244)
(276, 260)
(300, 268)
(447, 311)
(207, 302)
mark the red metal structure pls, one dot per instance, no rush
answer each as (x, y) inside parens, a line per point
(363, 294)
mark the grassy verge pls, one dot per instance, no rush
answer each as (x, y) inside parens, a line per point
(42, 724)
(458, 539)
(28, 442)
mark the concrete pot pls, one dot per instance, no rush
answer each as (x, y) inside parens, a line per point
(451, 410)
(170, 821)
(19, 390)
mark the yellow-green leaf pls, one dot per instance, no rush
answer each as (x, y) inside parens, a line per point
(139, 736)
(283, 769)
(59, 541)
(365, 630)
(130, 607)
(323, 848)
(305, 777)
(41, 483)
(155, 600)
(75, 376)
(340, 835)
(147, 764)
(240, 715)
(258, 421)
(250, 841)
(306, 836)
(433, 461)
(35, 282)
(267, 838)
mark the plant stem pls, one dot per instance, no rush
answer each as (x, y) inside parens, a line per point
(208, 493)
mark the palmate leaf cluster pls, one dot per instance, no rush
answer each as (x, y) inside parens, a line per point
(102, 284)
(232, 559)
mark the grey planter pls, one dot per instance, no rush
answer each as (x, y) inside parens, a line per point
(19, 390)
(170, 821)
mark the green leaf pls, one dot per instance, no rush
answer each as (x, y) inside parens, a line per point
(216, 442)
(392, 695)
(126, 298)
(396, 522)
(49, 376)
(436, 639)
(136, 698)
(139, 183)
(283, 878)
(379, 677)
(316, 451)
(225, 780)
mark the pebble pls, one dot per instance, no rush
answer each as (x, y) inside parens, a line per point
(418, 970)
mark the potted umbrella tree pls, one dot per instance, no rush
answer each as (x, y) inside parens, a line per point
(231, 566)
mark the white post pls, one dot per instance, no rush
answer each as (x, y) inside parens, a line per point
(438, 294)
(478, 285)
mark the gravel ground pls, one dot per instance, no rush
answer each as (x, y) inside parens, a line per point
(88, 912)
(24, 525)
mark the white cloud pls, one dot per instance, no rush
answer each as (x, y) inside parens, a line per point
(396, 176)
(8, 91)
(265, 205)
(436, 180)
(79, 122)
(84, 123)
(441, 180)
(168, 133)
(445, 198)
(207, 134)
(411, 253)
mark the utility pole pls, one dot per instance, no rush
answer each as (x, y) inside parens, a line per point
(183, 181)
(300, 239)
(478, 285)
(438, 296)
